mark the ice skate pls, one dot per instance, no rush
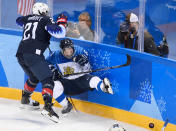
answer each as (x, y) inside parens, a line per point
(27, 102)
(67, 108)
(107, 88)
(49, 113)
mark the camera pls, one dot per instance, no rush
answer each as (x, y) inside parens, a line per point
(163, 47)
(124, 27)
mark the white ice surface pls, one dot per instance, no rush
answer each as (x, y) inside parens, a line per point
(12, 118)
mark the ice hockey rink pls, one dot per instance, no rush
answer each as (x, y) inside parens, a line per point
(13, 118)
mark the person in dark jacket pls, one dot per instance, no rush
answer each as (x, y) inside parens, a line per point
(128, 35)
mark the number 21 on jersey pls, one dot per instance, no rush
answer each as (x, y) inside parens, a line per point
(29, 30)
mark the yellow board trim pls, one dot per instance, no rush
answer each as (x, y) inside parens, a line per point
(97, 109)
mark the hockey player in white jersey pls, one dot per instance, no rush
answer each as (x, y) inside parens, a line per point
(68, 60)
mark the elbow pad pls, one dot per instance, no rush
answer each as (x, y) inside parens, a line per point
(19, 21)
(56, 31)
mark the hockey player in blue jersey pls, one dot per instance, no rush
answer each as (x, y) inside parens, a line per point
(72, 59)
(37, 31)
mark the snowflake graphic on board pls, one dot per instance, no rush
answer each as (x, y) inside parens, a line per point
(161, 105)
(145, 90)
(115, 86)
(100, 59)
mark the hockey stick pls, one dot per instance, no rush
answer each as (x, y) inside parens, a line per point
(71, 100)
(128, 62)
(63, 76)
(165, 124)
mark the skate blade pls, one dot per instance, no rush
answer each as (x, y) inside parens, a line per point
(52, 118)
(29, 107)
(110, 91)
(108, 83)
(65, 114)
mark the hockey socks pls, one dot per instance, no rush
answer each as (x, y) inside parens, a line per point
(60, 97)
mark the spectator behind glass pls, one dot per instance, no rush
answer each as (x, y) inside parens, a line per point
(128, 35)
(82, 29)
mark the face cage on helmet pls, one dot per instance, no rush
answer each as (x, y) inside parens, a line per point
(44, 13)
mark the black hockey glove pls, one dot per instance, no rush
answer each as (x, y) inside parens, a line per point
(81, 59)
(56, 75)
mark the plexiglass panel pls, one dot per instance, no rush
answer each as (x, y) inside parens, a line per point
(101, 20)
(161, 23)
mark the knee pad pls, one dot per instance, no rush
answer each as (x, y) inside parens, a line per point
(94, 81)
(47, 86)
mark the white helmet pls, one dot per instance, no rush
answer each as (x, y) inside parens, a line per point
(133, 18)
(40, 9)
(117, 127)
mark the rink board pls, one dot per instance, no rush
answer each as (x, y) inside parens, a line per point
(96, 109)
(144, 90)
